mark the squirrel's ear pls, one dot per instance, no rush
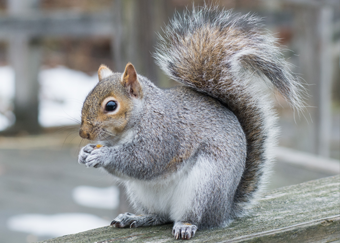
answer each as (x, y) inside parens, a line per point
(104, 72)
(130, 81)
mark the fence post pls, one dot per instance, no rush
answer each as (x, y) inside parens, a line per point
(313, 25)
(25, 57)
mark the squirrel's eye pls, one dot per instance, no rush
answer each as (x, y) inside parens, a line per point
(111, 105)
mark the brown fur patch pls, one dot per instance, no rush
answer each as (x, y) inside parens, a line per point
(120, 119)
(172, 165)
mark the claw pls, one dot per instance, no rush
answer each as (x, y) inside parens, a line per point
(113, 223)
(133, 224)
(184, 230)
(116, 224)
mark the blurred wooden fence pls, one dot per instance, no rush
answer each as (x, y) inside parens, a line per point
(133, 41)
(25, 26)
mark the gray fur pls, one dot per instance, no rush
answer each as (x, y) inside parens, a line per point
(179, 126)
(198, 155)
(225, 55)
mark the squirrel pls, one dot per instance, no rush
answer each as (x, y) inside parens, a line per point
(196, 155)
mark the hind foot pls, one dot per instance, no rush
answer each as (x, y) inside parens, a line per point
(184, 230)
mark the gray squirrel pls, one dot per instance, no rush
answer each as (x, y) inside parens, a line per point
(196, 155)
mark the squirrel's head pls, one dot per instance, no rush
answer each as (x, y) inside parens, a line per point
(109, 107)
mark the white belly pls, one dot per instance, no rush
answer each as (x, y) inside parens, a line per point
(170, 197)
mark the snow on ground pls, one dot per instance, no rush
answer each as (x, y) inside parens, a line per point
(96, 197)
(55, 225)
(7, 92)
(62, 93)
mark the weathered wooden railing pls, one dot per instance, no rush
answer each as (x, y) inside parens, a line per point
(307, 212)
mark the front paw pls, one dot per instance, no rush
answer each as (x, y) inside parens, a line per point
(98, 158)
(125, 220)
(85, 152)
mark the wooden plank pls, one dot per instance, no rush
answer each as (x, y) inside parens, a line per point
(74, 24)
(57, 24)
(307, 212)
(314, 3)
(307, 160)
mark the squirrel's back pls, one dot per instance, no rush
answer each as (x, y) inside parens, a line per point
(224, 55)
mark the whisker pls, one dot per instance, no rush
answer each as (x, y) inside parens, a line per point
(108, 132)
(80, 144)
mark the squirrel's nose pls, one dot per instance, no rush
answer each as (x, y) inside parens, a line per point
(84, 134)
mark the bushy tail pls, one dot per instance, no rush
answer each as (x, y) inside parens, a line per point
(225, 55)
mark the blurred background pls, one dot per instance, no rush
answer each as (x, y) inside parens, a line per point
(50, 51)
